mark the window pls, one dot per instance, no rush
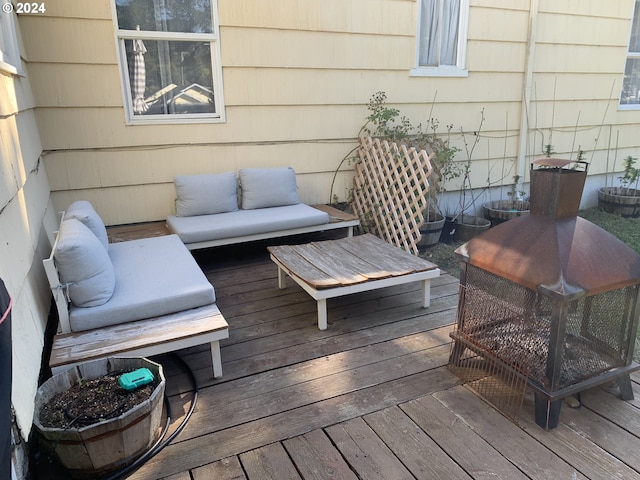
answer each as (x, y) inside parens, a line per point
(9, 52)
(441, 37)
(630, 96)
(170, 60)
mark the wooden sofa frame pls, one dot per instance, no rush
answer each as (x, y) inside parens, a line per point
(151, 336)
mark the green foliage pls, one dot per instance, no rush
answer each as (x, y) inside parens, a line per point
(387, 123)
(514, 193)
(631, 174)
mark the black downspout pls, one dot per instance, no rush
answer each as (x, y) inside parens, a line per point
(5, 382)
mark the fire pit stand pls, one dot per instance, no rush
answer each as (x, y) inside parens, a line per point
(550, 297)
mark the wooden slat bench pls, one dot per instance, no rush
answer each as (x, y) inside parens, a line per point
(143, 338)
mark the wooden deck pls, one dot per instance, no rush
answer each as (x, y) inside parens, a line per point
(369, 398)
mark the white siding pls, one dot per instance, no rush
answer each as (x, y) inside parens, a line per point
(24, 197)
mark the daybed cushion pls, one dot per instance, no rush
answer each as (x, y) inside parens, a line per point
(245, 222)
(154, 276)
(84, 211)
(206, 194)
(268, 187)
(84, 265)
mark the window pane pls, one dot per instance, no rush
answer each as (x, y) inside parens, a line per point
(634, 44)
(429, 33)
(439, 25)
(190, 16)
(449, 40)
(631, 84)
(176, 77)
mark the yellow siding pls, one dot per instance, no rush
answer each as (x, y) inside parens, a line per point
(594, 8)
(69, 40)
(378, 17)
(102, 85)
(261, 47)
(297, 76)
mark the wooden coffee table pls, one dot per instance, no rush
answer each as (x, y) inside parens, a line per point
(334, 268)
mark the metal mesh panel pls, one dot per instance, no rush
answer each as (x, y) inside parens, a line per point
(502, 385)
(500, 319)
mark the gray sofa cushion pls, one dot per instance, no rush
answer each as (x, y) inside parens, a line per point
(245, 222)
(268, 187)
(84, 211)
(84, 265)
(154, 276)
(206, 194)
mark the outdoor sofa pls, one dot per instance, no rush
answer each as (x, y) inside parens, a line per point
(258, 203)
(134, 298)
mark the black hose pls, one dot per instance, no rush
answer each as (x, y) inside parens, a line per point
(161, 443)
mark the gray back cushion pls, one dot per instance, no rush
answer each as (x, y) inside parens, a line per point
(268, 187)
(206, 194)
(84, 211)
(84, 265)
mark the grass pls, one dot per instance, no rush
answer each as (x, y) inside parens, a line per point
(626, 229)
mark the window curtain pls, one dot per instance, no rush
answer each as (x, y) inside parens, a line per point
(439, 25)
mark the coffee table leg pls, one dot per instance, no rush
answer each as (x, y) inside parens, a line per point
(281, 278)
(426, 293)
(322, 314)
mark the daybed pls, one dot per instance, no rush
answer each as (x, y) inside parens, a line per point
(140, 297)
(222, 209)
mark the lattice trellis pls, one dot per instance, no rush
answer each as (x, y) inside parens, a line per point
(390, 191)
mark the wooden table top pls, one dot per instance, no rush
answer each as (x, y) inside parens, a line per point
(347, 261)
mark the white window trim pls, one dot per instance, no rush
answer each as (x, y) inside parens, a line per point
(458, 70)
(10, 60)
(184, 118)
(626, 106)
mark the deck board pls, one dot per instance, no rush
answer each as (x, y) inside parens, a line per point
(422, 456)
(369, 398)
(317, 458)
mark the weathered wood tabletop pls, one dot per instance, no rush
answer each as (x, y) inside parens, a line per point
(348, 261)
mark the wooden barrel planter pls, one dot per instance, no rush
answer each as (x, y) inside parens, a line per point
(104, 447)
(499, 211)
(469, 226)
(620, 201)
(430, 231)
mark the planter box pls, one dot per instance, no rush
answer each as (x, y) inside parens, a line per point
(107, 446)
(617, 200)
(430, 231)
(469, 226)
(499, 211)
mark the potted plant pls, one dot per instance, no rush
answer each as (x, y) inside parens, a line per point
(385, 123)
(468, 223)
(498, 211)
(625, 199)
(444, 168)
(91, 443)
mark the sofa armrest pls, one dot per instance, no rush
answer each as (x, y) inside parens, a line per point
(58, 290)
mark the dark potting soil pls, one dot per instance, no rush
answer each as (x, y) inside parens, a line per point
(92, 401)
